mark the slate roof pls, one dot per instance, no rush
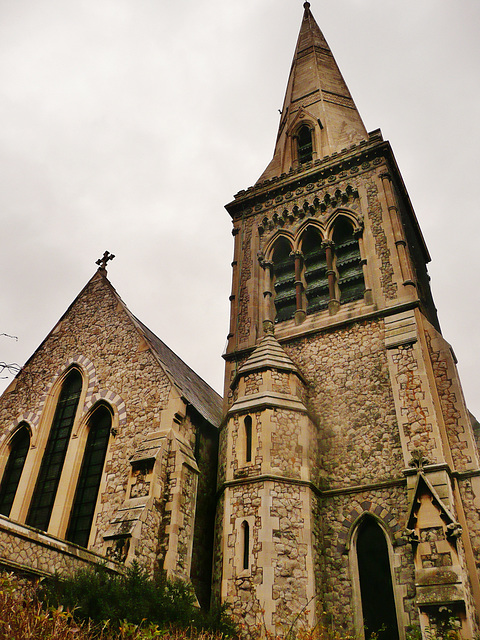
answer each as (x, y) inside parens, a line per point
(200, 394)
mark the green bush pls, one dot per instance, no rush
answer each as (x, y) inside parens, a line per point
(98, 595)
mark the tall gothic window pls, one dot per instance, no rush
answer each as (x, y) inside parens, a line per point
(284, 285)
(305, 144)
(316, 278)
(378, 603)
(348, 262)
(46, 487)
(90, 476)
(11, 477)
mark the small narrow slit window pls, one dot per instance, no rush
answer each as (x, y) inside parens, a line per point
(246, 545)
(248, 438)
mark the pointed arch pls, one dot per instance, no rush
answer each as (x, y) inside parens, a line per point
(48, 479)
(315, 273)
(348, 261)
(304, 139)
(99, 424)
(18, 448)
(283, 280)
(376, 607)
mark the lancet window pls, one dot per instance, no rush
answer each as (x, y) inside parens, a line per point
(375, 578)
(284, 281)
(83, 509)
(305, 144)
(316, 278)
(45, 491)
(19, 447)
(348, 262)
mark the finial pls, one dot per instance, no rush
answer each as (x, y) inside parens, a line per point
(268, 327)
(102, 262)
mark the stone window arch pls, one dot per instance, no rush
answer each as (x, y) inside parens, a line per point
(18, 449)
(283, 264)
(315, 271)
(99, 427)
(375, 604)
(347, 263)
(44, 494)
(304, 140)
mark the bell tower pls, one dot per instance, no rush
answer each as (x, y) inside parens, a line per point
(349, 481)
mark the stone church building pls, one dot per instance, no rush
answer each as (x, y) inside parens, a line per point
(339, 477)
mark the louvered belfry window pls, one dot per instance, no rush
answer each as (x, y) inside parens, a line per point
(13, 470)
(88, 485)
(305, 144)
(284, 285)
(52, 462)
(348, 262)
(316, 277)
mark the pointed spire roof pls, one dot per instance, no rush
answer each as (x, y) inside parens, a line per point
(318, 96)
(268, 355)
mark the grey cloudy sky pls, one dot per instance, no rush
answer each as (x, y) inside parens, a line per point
(127, 125)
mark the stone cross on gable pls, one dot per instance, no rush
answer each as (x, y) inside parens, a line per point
(102, 262)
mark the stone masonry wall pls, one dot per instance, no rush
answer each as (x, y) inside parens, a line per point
(338, 516)
(41, 553)
(350, 396)
(96, 329)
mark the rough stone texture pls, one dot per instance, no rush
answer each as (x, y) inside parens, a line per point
(456, 419)
(351, 399)
(338, 515)
(99, 336)
(42, 554)
(253, 382)
(418, 422)
(290, 566)
(245, 275)
(246, 607)
(375, 214)
(286, 451)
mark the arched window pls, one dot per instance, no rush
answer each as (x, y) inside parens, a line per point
(83, 508)
(55, 451)
(19, 447)
(246, 544)
(348, 262)
(376, 588)
(248, 438)
(284, 273)
(305, 144)
(316, 278)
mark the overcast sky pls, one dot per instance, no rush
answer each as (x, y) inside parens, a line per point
(127, 125)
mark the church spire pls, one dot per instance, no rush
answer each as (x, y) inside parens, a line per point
(318, 116)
